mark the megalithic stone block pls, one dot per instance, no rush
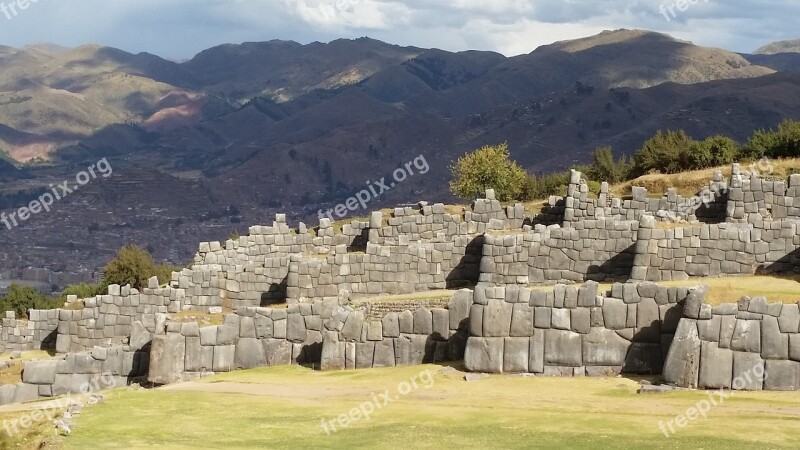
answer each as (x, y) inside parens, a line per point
(682, 365)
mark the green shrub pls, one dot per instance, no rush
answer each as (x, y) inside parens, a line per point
(489, 167)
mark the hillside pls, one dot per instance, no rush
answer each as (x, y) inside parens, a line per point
(204, 148)
(792, 46)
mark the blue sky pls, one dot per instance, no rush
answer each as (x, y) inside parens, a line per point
(179, 29)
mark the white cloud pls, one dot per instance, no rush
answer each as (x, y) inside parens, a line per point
(180, 28)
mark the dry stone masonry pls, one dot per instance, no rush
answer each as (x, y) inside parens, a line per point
(511, 298)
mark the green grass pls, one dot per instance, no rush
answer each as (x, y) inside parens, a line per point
(284, 407)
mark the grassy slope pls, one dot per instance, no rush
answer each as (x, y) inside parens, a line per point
(498, 412)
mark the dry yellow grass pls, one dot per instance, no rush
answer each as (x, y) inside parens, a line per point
(731, 289)
(202, 318)
(13, 374)
(413, 297)
(689, 183)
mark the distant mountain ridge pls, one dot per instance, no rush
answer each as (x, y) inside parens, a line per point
(773, 48)
(241, 131)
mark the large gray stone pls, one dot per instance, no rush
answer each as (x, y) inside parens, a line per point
(748, 371)
(774, 344)
(40, 372)
(648, 324)
(333, 352)
(278, 352)
(746, 336)
(716, 366)
(459, 307)
(782, 376)
(615, 313)
(563, 348)
(536, 352)
(580, 320)
(561, 318)
(423, 321)
(384, 353)
(167, 358)
(365, 353)
(264, 327)
(515, 354)
(726, 328)
(709, 329)
(522, 320)
(26, 392)
(7, 393)
(413, 349)
(484, 355)
(441, 323)
(497, 318)
(139, 336)
(249, 353)
(390, 325)
(476, 320)
(352, 326)
(682, 365)
(224, 356)
(604, 347)
(296, 328)
(406, 319)
(789, 319)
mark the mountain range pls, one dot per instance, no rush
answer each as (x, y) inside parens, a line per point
(205, 147)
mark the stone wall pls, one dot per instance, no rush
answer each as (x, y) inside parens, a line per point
(571, 330)
(353, 340)
(751, 345)
(594, 249)
(108, 320)
(710, 205)
(322, 334)
(36, 333)
(714, 250)
(251, 337)
(76, 373)
(754, 199)
(386, 269)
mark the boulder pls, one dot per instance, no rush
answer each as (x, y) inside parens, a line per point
(249, 354)
(682, 365)
(167, 358)
(604, 347)
(562, 348)
(40, 372)
(484, 355)
(515, 354)
(716, 366)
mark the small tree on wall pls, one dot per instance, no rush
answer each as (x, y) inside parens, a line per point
(133, 265)
(489, 167)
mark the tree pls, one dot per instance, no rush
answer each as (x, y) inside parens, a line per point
(663, 152)
(714, 151)
(21, 298)
(605, 168)
(132, 265)
(788, 139)
(762, 143)
(489, 167)
(783, 143)
(82, 290)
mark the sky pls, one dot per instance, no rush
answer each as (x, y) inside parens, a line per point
(179, 29)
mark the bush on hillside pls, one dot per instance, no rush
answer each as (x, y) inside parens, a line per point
(489, 167)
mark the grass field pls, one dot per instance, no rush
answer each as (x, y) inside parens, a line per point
(283, 407)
